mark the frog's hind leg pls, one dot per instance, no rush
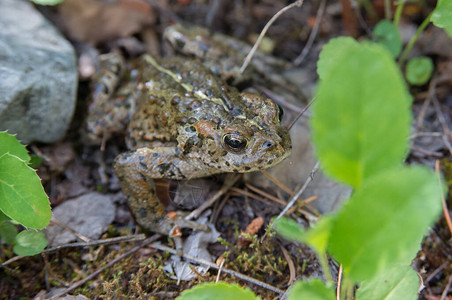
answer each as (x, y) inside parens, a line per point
(109, 109)
(136, 170)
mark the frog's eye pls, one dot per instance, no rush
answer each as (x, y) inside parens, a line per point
(234, 142)
(280, 112)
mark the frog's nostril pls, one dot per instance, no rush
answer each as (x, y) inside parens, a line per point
(267, 144)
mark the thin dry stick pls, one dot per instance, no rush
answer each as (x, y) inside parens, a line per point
(290, 264)
(130, 238)
(301, 113)
(214, 266)
(110, 264)
(237, 191)
(437, 270)
(298, 194)
(226, 186)
(446, 289)
(339, 281)
(78, 235)
(313, 34)
(443, 201)
(250, 55)
(278, 183)
(264, 194)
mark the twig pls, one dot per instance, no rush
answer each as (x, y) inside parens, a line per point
(427, 152)
(214, 266)
(339, 282)
(290, 264)
(298, 194)
(437, 270)
(264, 194)
(250, 55)
(226, 186)
(78, 235)
(446, 289)
(301, 112)
(129, 238)
(313, 34)
(443, 201)
(108, 265)
(242, 192)
(278, 183)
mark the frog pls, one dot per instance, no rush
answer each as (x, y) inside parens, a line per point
(181, 121)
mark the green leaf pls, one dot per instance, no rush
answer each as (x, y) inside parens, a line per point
(318, 236)
(4, 217)
(22, 197)
(387, 34)
(47, 2)
(217, 291)
(9, 144)
(8, 232)
(289, 229)
(361, 118)
(35, 161)
(396, 283)
(442, 16)
(313, 289)
(384, 221)
(419, 70)
(29, 242)
(332, 53)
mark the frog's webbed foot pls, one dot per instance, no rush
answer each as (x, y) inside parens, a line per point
(136, 171)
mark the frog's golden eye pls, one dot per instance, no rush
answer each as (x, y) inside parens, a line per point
(234, 142)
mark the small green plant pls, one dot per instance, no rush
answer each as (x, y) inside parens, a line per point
(220, 291)
(47, 2)
(22, 198)
(361, 123)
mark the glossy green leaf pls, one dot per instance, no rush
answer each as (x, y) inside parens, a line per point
(419, 70)
(400, 282)
(385, 220)
(387, 34)
(29, 242)
(361, 118)
(332, 53)
(313, 289)
(9, 144)
(8, 232)
(47, 2)
(22, 197)
(289, 229)
(218, 291)
(442, 16)
(317, 237)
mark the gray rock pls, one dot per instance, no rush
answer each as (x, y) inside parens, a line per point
(38, 75)
(88, 215)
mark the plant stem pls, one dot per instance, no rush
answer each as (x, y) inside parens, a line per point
(398, 13)
(323, 259)
(387, 9)
(413, 40)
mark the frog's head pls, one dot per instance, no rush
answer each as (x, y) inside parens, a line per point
(252, 139)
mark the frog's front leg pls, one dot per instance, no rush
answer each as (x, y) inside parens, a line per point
(136, 171)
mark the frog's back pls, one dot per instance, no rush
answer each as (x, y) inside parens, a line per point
(173, 95)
